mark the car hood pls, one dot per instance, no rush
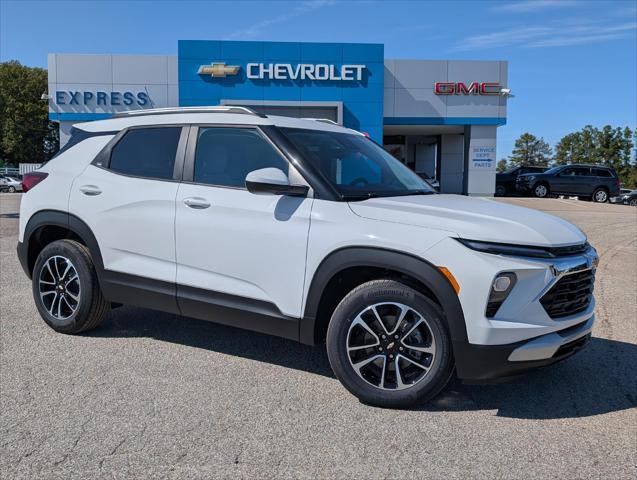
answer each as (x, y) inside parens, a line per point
(473, 218)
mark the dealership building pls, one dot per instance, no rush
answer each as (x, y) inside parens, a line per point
(439, 117)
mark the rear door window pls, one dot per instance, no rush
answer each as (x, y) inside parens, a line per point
(576, 172)
(146, 152)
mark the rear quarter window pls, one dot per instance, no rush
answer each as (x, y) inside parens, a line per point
(601, 172)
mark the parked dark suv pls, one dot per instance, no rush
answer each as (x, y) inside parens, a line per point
(584, 181)
(505, 181)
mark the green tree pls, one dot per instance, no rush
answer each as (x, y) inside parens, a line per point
(531, 151)
(567, 149)
(26, 134)
(502, 165)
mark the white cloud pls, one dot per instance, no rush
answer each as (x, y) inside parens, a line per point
(503, 38)
(583, 36)
(554, 35)
(257, 29)
(532, 5)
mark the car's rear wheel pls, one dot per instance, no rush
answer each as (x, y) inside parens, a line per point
(541, 190)
(66, 289)
(600, 195)
(500, 190)
(389, 345)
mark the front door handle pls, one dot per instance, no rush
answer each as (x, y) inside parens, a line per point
(197, 203)
(90, 190)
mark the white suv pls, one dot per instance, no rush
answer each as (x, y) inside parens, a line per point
(306, 230)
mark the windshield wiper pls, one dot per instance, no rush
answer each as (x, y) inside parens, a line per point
(358, 196)
(416, 192)
(367, 195)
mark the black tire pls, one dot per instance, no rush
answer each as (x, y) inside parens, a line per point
(376, 292)
(633, 202)
(541, 190)
(91, 307)
(500, 190)
(11, 189)
(600, 195)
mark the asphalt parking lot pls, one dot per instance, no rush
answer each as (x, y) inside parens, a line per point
(152, 395)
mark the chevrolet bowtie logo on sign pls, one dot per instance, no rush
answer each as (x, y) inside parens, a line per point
(218, 70)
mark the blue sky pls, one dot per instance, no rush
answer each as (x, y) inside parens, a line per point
(571, 63)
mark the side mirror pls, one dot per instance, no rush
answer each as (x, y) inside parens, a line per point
(273, 181)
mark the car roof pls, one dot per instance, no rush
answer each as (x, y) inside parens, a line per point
(209, 116)
(585, 165)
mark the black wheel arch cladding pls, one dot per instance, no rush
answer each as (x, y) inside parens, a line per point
(56, 218)
(404, 263)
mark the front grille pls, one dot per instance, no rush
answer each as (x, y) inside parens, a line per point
(568, 250)
(570, 295)
(572, 347)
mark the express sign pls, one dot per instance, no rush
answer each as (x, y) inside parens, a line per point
(474, 88)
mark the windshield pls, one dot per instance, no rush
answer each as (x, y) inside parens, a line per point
(553, 170)
(356, 166)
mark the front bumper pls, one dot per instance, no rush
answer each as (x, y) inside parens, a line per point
(486, 363)
(521, 334)
(523, 187)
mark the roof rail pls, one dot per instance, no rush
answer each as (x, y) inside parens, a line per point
(172, 110)
(322, 120)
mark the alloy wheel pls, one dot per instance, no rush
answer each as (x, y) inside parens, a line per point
(541, 191)
(601, 196)
(391, 346)
(59, 287)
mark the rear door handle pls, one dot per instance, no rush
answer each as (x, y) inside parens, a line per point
(90, 190)
(197, 203)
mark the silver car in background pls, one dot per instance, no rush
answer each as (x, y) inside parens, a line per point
(10, 184)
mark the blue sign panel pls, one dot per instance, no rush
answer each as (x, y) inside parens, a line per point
(351, 73)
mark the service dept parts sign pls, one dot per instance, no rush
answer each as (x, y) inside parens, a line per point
(482, 155)
(287, 71)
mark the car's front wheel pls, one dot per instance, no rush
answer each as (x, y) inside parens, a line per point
(65, 288)
(11, 189)
(389, 345)
(540, 190)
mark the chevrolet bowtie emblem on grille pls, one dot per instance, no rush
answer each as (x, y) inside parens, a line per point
(218, 70)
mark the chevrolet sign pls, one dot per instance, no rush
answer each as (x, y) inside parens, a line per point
(304, 71)
(287, 71)
(218, 70)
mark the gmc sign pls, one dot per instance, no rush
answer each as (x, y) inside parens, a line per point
(474, 88)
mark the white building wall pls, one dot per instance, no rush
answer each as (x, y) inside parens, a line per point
(154, 75)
